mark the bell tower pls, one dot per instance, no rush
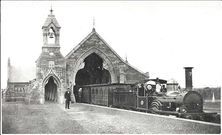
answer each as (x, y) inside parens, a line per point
(51, 31)
(51, 64)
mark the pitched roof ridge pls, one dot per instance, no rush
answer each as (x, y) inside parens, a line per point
(76, 47)
(87, 37)
(119, 56)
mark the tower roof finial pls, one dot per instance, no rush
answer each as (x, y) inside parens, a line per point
(126, 59)
(51, 10)
(9, 62)
(93, 23)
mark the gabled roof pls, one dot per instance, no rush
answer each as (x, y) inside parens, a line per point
(95, 33)
(51, 19)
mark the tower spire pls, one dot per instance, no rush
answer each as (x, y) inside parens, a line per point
(9, 62)
(51, 10)
(126, 59)
(94, 24)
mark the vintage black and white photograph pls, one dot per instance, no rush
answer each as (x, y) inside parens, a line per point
(111, 67)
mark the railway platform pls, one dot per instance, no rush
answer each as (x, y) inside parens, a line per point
(100, 119)
(53, 118)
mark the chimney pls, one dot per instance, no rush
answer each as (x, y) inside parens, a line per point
(188, 78)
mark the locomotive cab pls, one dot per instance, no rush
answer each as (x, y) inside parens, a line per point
(148, 91)
(155, 87)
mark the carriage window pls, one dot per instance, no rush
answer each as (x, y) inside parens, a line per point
(101, 91)
(141, 90)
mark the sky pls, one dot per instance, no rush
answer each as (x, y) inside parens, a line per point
(156, 37)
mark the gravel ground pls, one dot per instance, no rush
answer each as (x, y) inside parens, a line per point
(83, 118)
(37, 119)
(100, 120)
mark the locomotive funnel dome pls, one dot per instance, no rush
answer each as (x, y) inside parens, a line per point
(193, 101)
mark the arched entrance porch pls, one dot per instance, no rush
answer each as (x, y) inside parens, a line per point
(51, 92)
(93, 67)
(93, 71)
(51, 88)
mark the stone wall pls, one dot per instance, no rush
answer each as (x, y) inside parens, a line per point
(120, 71)
(50, 63)
(16, 91)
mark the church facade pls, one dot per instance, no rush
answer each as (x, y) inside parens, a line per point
(92, 61)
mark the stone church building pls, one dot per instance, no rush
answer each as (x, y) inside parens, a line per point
(92, 61)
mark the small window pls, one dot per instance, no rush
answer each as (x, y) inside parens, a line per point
(45, 50)
(51, 64)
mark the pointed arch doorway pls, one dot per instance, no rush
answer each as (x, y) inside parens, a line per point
(51, 90)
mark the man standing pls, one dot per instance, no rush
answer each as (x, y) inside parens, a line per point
(68, 98)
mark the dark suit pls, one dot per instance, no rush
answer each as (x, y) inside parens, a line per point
(68, 99)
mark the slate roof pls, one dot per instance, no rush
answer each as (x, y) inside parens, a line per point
(51, 19)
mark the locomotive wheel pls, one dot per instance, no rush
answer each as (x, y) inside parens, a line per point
(189, 117)
(156, 105)
(183, 109)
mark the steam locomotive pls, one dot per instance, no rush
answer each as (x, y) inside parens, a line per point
(158, 99)
(150, 96)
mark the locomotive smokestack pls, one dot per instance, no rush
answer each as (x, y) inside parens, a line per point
(188, 77)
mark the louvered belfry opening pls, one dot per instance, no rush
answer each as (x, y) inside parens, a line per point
(51, 91)
(93, 72)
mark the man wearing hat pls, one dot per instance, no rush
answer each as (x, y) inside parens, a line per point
(68, 98)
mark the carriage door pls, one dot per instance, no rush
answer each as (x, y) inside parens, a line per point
(142, 102)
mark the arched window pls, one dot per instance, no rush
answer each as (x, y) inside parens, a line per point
(51, 36)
